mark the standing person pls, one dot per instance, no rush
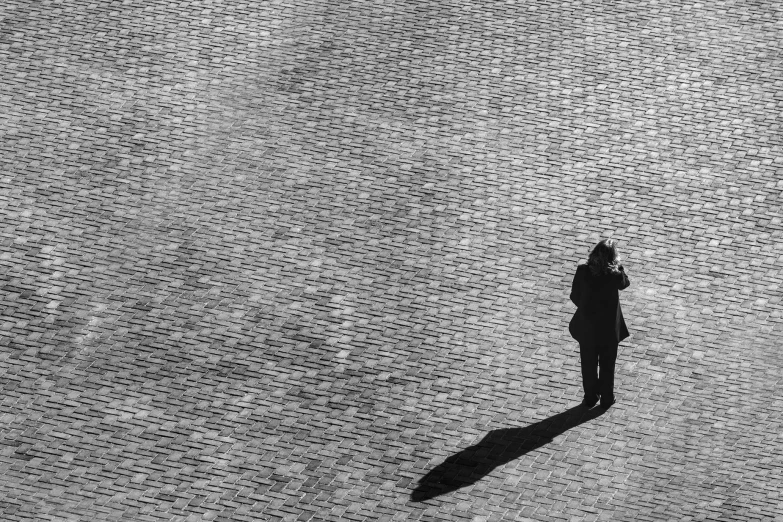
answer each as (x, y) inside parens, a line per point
(598, 323)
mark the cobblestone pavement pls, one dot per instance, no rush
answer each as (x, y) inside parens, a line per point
(310, 260)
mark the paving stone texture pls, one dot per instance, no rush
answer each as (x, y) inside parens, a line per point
(310, 260)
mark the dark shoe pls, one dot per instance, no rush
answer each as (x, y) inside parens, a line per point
(606, 405)
(589, 403)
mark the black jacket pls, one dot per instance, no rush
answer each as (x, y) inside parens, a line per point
(598, 319)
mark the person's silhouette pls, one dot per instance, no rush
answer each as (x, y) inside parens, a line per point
(598, 324)
(497, 448)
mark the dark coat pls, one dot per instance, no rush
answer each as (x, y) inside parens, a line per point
(598, 319)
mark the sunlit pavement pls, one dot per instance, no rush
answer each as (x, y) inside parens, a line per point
(310, 260)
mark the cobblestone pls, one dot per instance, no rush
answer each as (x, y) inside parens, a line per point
(311, 260)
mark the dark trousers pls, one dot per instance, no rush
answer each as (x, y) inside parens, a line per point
(594, 384)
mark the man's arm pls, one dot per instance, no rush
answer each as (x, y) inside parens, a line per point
(575, 290)
(623, 281)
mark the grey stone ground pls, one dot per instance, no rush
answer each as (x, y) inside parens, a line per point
(310, 260)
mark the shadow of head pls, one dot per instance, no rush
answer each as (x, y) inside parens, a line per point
(497, 448)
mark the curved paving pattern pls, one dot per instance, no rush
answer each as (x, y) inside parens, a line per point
(310, 260)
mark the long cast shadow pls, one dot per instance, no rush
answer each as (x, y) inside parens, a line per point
(497, 448)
